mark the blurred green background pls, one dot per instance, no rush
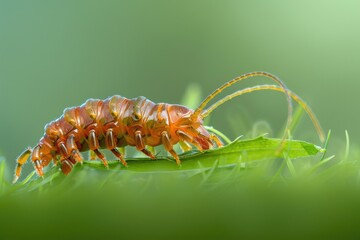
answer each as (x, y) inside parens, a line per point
(55, 54)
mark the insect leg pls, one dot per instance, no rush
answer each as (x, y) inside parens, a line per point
(35, 158)
(67, 161)
(216, 140)
(169, 147)
(189, 139)
(110, 141)
(94, 145)
(66, 166)
(21, 160)
(139, 143)
(73, 149)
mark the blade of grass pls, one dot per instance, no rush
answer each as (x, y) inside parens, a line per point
(347, 146)
(326, 145)
(2, 175)
(288, 159)
(319, 164)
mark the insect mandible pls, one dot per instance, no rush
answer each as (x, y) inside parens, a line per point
(116, 122)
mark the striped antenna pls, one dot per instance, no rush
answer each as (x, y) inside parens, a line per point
(301, 102)
(199, 111)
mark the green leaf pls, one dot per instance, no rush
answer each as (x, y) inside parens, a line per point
(245, 150)
(192, 162)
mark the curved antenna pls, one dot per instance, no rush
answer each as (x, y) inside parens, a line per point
(198, 111)
(305, 106)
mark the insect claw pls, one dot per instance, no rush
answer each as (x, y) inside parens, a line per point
(15, 179)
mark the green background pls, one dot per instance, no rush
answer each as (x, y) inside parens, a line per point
(56, 54)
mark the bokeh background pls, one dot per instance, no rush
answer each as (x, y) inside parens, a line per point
(55, 54)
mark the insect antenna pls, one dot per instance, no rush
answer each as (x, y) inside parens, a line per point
(303, 104)
(198, 111)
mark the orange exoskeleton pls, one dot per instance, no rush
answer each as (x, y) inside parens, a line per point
(118, 122)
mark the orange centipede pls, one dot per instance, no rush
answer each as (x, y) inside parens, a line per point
(116, 122)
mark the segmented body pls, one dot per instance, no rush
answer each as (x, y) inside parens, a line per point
(112, 123)
(118, 122)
